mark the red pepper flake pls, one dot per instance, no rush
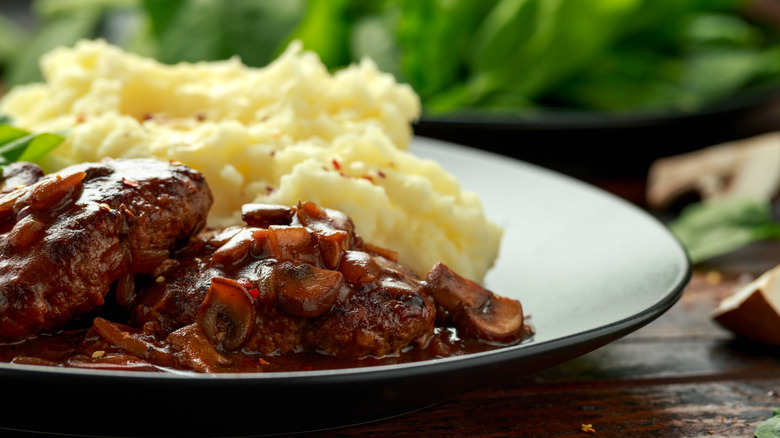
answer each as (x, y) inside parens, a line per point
(130, 183)
(307, 368)
(493, 310)
(263, 362)
(254, 293)
(336, 164)
(200, 117)
(147, 116)
(269, 189)
(381, 174)
(81, 119)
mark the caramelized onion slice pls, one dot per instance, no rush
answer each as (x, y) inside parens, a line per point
(227, 314)
(49, 192)
(8, 200)
(305, 291)
(389, 254)
(26, 232)
(110, 361)
(476, 312)
(132, 342)
(125, 289)
(145, 261)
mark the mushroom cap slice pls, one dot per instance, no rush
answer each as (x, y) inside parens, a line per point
(753, 311)
(745, 168)
(304, 290)
(265, 215)
(227, 314)
(476, 312)
(499, 320)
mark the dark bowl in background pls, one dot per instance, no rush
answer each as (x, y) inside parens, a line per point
(610, 150)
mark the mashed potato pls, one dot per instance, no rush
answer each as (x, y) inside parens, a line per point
(287, 132)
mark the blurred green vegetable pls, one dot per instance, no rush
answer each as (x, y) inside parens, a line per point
(474, 55)
(62, 22)
(712, 228)
(769, 428)
(524, 47)
(208, 30)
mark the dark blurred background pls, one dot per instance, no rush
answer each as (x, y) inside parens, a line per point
(597, 90)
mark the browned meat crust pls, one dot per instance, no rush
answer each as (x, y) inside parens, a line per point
(67, 237)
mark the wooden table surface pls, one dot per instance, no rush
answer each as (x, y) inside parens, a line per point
(679, 376)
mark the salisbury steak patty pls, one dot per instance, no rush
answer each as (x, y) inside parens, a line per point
(67, 237)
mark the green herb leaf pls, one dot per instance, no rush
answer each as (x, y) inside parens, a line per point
(713, 228)
(19, 145)
(769, 428)
(39, 146)
(9, 133)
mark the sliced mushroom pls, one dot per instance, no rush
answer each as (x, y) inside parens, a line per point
(747, 168)
(293, 243)
(194, 350)
(265, 215)
(476, 312)
(305, 291)
(753, 310)
(359, 267)
(499, 320)
(332, 246)
(331, 231)
(227, 314)
(239, 246)
(313, 216)
(222, 237)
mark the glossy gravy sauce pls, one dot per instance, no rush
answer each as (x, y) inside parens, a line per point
(77, 349)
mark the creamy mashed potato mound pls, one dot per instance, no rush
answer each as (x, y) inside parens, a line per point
(286, 132)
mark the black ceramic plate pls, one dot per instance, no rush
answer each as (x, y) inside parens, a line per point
(587, 266)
